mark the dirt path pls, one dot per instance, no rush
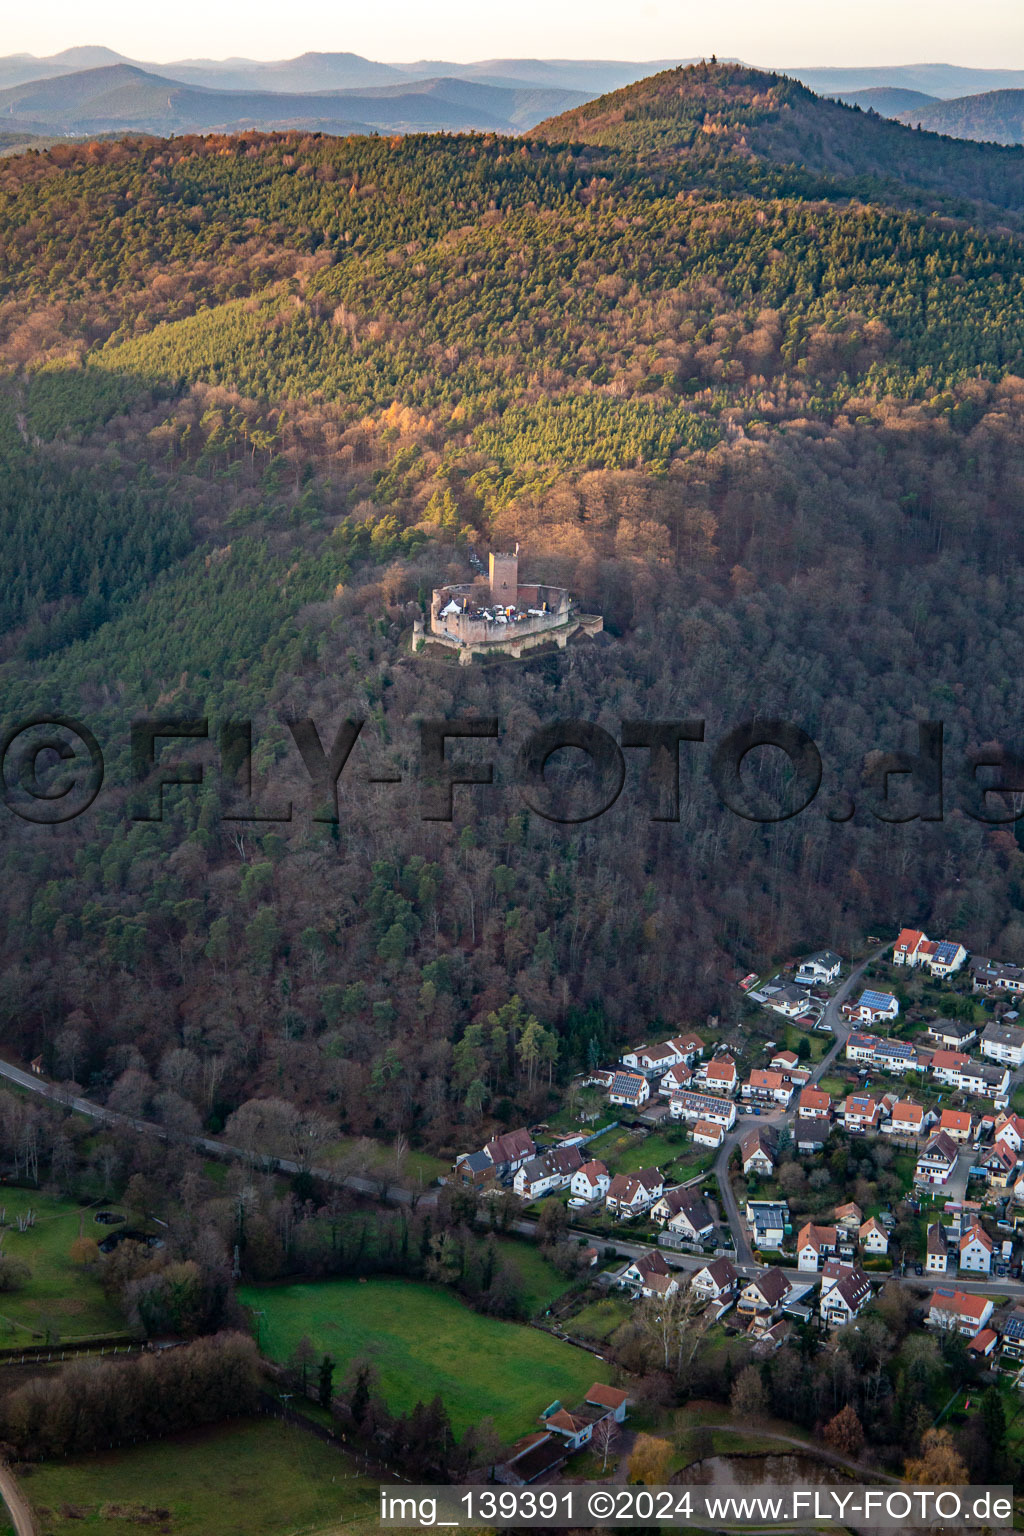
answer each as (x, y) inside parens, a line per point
(17, 1505)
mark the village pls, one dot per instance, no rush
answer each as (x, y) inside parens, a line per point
(864, 1126)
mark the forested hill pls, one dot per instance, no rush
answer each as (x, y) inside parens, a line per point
(709, 112)
(259, 394)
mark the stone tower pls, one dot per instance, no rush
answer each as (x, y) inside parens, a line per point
(504, 577)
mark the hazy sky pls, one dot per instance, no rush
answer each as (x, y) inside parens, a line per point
(771, 32)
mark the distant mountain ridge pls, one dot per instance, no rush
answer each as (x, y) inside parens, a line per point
(126, 97)
(997, 117)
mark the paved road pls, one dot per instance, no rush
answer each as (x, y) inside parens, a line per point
(17, 1505)
(833, 1015)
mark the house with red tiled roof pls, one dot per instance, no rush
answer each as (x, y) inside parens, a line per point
(612, 1398)
(706, 1134)
(767, 1086)
(975, 1251)
(688, 1047)
(849, 1216)
(814, 1104)
(591, 1181)
(813, 1244)
(907, 1118)
(958, 1309)
(720, 1076)
(677, 1077)
(948, 1065)
(1010, 1128)
(957, 1124)
(983, 1343)
(907, 949)
(629, 1088)
(862, 1112)
(873, 1237)
(784, 1061)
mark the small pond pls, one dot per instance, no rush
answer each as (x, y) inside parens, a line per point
(110, 1243)
(785, 1469)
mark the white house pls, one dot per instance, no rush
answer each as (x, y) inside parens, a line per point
(1010, 1128)
(958, 1309)
(591, 1181)
(767, 1086)
(648, 1275)
(873, 1237)
(677, 1077)
(764, 1295)
(873, 1007)
(767, 1220)
(684, 1211)
(937, 1161)
(720, 1076)
(629, 1194)
(948, 1065)
(688, 1048)
(757, 1149)
(702, 1106)
(907, 949)
(944, 957)
(976, 1251)
(907, 1118)
(715, 1281)
(553, 1170)
(629, 1088)
(843, 1301)
(814, 1244)
(1003, 1042)
(819, 969)
(936, 1249)
(707, 1134)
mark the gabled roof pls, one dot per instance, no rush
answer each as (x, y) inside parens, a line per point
(686, 1043)
(760, 1139)
(813, 1098)
(954, 1120)
(816, 1237)
(708, 1128)
(763, 1077)
(722, 1271)
(811, 1128)
(906, 1109)
(724, 1068)
(594, 1170)
(773, 1285)
(510, 1146)
(851, 1210)
(976, 1235)
(650, 1263)
(606, 1397)
(983, 1341)
(935, 1241)
(879, 1000)
(960, 1302)
(854, 1288)
(628, 1084)
(940, 1145)
(870, 1226)
(949, 1061)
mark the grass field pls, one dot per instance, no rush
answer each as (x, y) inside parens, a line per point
(424, 1340)
(600, 1320)
(670, 1151)
(61, 1297)
(250, 1478)
(541, 1281)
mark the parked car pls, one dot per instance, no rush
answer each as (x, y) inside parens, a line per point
(577, 1203)
(918, 1270)
(1001, 1270)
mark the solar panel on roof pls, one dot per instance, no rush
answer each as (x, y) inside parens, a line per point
(876, 999)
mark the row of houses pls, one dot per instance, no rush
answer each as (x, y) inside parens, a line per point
(948, 1065)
